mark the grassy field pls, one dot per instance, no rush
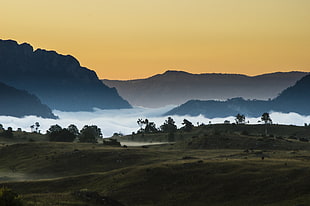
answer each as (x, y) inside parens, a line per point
(211, 165)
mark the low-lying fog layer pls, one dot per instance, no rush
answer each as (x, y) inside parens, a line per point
(125, 121)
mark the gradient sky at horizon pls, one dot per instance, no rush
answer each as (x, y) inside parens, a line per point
(128, 39)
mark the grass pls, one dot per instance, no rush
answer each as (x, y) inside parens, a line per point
(212, 165)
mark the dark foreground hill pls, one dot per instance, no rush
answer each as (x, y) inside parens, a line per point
(293, 99)
(219, 165)
(177, 87)
(20, 103)
(59, 81)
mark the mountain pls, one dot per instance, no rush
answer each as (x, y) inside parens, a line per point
(58, 80)
(177, 87)
(293, 99)
(19, 103)
(230, 107)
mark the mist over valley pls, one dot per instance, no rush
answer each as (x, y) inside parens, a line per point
(125, 120)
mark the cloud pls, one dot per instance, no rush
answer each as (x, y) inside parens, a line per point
(125, 120)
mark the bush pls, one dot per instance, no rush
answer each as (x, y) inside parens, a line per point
(9, 198)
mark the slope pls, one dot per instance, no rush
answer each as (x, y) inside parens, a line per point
(58, 80)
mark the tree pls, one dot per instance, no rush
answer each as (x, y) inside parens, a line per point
(240, 119)
(32, 128)
(90, 134)
(149, 127)
(37, 125)
(140, 123)
(169, 126)
(58, 134)
(63, 135)
(188, 126)
(73, 129)
(54, 128)
(266, 118)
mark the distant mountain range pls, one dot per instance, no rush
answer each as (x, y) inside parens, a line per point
(59, 81)
(177, 87)
(293, 99)
(19, 103)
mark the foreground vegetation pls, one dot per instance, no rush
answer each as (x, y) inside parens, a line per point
(207, 165)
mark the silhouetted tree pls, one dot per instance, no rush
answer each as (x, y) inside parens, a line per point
(58, 134)
(90, 134)
(149, 127)
(32, 128)
(188, 126)
(168, 126)
(266, 118)
(37, 125)
(54, 128)
(140, 123)
(62, 136)
(240, 119)
(73, 129)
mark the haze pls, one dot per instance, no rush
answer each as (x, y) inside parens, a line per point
(123, 39)
(125, 120)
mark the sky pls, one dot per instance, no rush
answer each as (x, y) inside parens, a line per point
(130, 39)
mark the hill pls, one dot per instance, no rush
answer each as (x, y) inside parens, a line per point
(19, 103)
(177, 87)
(58, 80)
(210, 165)
(295, 98)
(292, 99)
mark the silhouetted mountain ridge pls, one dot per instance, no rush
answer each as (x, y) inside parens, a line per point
(58, 80)
(177, 87)
(19, 103)
(293, 99)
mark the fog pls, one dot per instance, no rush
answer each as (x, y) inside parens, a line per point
(125, 120)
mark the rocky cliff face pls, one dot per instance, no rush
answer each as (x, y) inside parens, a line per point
(19, 103)
(177, 87)
(58, 80)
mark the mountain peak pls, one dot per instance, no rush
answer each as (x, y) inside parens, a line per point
(58, 80)
(168, 72)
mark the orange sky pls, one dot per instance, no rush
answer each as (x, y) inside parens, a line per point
(128, 39)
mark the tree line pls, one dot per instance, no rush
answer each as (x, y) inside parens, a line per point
(90, 134)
